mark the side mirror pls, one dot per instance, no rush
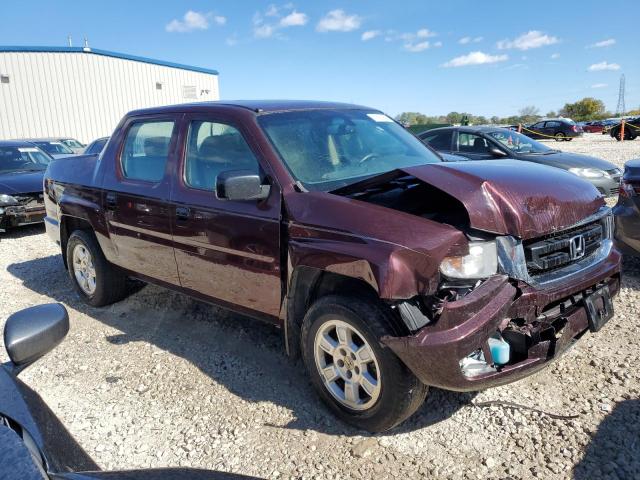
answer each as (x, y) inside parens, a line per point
(31, 333)
(241, 185)
(497, 153)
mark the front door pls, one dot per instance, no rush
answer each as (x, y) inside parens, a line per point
(227, 251)
(136, 198)
(473, 146)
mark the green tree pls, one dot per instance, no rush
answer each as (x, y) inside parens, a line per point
(529, 114)
(586, 109)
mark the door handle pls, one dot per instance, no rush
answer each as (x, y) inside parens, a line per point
(111, 200)
(183, 213)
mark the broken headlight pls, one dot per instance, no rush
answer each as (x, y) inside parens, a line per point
(7, 199)
(481, 262)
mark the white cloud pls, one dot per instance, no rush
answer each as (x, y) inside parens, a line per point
(475, 58)
(370, 35)
(416, 47)
(338, 21)
(280, 17)
(192, 21)
(529, 40)
(604, 43)
(437, 44)
(599, 85)
(555, 56)
(232, 41)
(598, 67)
(466, 40)
(294, 19)
(425, 33)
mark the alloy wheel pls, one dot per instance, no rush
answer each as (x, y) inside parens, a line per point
(347, 365)
(83, 269)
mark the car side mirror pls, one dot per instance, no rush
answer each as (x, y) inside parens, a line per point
(497, 153)
(241, 185)
(33, 332)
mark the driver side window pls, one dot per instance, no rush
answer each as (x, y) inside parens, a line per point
(213, 148)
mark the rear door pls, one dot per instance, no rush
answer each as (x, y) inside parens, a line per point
(226, 251)
(136, 197)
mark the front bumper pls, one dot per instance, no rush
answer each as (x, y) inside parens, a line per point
(607, 186)
(433, 354)
(18, 215)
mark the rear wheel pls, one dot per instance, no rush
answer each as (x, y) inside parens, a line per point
(560, 137)
(363, 382)
(97, 281)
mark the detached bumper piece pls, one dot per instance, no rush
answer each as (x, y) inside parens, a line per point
(455, 352)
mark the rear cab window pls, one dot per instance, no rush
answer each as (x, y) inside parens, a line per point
(146, 150)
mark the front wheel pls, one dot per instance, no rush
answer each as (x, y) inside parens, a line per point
(97, 281)
(362, 381)
(560, 137)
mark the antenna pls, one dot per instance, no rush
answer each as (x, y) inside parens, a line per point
(621, 108)
(70, 41)
(86, 42)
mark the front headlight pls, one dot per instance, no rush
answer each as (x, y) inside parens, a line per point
(481, 262)
(588, 172)
(7, 199)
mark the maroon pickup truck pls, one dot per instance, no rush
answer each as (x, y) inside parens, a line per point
(387, 269)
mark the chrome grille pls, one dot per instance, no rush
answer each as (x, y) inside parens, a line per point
(560, 249)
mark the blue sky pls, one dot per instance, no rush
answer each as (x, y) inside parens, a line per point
(434, 57)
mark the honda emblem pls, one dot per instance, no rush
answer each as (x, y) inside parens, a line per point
(576, 247)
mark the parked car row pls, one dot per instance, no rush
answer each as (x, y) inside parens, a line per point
(483, 143)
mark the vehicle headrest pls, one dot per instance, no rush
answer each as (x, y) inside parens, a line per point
(156, 146)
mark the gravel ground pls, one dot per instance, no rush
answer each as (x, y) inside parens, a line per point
(163, 380)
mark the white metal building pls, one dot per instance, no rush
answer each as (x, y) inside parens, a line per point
(83, 92)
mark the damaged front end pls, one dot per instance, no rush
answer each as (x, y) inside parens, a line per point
(547, 292)
(22, 209)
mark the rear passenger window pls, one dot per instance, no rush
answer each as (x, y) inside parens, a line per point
(438, 141)
(146, 150)
(213, 148)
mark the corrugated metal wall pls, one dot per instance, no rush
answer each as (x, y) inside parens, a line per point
(84, 95)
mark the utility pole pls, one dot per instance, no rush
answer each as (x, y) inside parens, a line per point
(621, 108)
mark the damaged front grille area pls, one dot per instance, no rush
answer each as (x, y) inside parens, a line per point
(558, 250)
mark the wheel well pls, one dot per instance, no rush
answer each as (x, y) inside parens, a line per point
(68, 225)
(308, 285)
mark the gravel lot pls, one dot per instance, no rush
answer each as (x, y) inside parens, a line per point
(162, 380)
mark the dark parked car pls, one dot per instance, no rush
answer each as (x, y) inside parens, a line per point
(482, 143)
(627, 210)
(560, 129)
(631, 129)
(96, 147)
(53, 146)
(73, 144)
(387, 269)
(22, 167)
(35, 444)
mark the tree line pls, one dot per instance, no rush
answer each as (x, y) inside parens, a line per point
(587, 109)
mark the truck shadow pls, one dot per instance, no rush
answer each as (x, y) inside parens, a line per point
(614, 451)
(244, 355)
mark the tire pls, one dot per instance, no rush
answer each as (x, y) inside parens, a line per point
(85, 260)
(560, 137)
(568, 139)
(395, 392)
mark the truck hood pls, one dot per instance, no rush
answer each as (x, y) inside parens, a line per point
(514, 198)
(503, 197)
(21, 182)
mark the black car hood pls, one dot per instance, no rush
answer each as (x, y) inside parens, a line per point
(21, 182)
(566, 160)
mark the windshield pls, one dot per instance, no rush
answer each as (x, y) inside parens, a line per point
(516, 142)
(13, 159)
(328, 149)
(71, 143)
(54, 148)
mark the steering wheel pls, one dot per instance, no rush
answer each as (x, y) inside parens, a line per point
(368, 157)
